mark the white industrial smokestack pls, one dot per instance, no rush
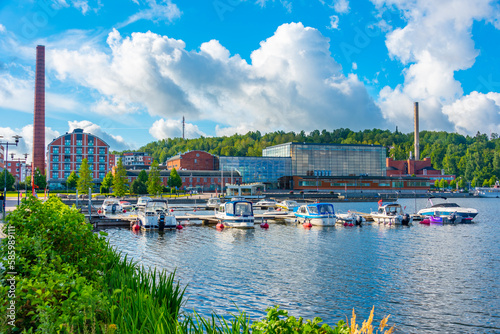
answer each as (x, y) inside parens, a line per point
(417, 140)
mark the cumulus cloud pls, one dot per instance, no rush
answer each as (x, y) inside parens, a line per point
(334, 22)
(475, 112)
(170, 128)
(341, 6)
(25, 144)
(116, 143)
(435, 43)
(291, 83)
(154, 12)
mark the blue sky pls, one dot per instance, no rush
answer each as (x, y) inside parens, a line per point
(129, 70)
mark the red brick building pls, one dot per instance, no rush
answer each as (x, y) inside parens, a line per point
(410, 167)
(65, 155)
(192, 160)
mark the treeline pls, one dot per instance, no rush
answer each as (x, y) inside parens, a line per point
(474, 158)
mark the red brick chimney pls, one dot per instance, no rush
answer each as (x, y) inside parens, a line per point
(39, 115)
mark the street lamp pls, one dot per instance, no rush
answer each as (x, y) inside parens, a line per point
(16, 141)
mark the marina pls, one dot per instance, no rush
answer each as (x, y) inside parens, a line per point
(411, 273)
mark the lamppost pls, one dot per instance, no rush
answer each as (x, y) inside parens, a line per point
(6, 144)
(20, 173)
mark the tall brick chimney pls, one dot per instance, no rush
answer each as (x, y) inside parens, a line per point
(417, 140)
(39, 115)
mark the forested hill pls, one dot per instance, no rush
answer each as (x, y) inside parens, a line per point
(475, 157)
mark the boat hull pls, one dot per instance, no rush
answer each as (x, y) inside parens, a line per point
(392, 220)
(244, 223)
(318, 221)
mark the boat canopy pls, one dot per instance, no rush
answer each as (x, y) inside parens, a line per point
(321, 209)
(239, 208)
(446, 205)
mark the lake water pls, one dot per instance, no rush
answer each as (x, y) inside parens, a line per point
(430, 279)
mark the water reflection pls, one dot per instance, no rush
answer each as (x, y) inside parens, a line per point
(431, 279)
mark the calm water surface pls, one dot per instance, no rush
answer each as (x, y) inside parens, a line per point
(430, 279)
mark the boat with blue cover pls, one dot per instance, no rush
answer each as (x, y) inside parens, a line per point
(238, 214)
(318, 214)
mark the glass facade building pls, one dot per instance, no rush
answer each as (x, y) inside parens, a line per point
(258, 169)
(331, 159)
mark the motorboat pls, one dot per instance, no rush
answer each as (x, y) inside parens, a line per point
(126, 205)
(237, 214)
(451, 213)
(287, 205)
(266, 203)
(156, 216)
(391, 214)
(143, 201)
(350, 219)
(111, 206)
(317, 214)
(213, 203)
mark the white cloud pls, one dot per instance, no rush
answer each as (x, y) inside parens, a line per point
(435, 43)
(171, 128)
(2, 28)
(155, 12)
(334, 22)
(81, 5)
(115, 142)
(25, 144)
(341, 6)
(292, 81)
(475, 112)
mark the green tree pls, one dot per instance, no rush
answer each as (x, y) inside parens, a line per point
(120, 181)
(486, 183)
(461, 183)
(436, 184)
(107, 183)
(40, 179)
(443, 184)
(491, 181)
(138, 187)
(154, 181)
(85, 179)
(143, 176)
(10, 180)
(174, 180)
(473, 183)
(72, 180)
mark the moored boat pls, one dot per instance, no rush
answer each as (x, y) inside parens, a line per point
(391, 214)
(317, 214)
(266, 203)
(287, 205)
(489, 192)
(111, 206)
(350, 219)
(238, 214)
(451, 213)
(156, 216)
(213, 203)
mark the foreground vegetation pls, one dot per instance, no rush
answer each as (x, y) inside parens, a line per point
(471, 158)
(69, 280)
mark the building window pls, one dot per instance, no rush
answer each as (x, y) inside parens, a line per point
(102, 167)
(55, 150)
(55, 167)
(79, 142)
(91, 158)
(195, 161)
(102, 158)
(67, 167)
(67, 142)
(101, 175)
(55, 158)
(102, 150)
(67, 174)
(78, 158)
(67, 150)
(91, 151)
(79, 150)
(55, 175)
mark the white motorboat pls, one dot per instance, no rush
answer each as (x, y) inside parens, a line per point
(237, 214)
(318, 214)
(266, 203)
(143, 201)
(213, 203)
(111, 206)
(450, 213)
(391, 214)
(350, 218)
(287, 205)
(156, 216)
